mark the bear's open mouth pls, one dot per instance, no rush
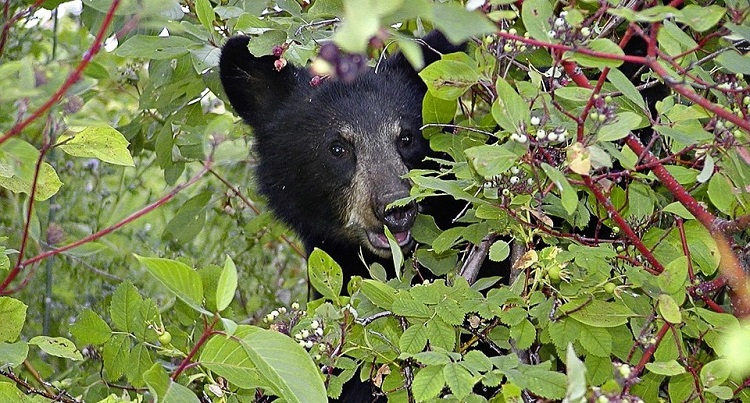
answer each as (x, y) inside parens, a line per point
(380, 241)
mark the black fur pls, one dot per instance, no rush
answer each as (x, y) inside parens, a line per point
(296, 126)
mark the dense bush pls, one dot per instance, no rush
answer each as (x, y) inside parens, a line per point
(601, 149)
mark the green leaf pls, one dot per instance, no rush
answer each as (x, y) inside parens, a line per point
(437, 110)
(325, 274)
(509, 109)
(9, 392)
(708, 169)
(4, 259)
(189, 220)
(414, 339)
(154, 47)
(380, 294)
(12, 316)
(450, 312)
(411, 308)
(447, 239)
(568, 195)
(124, 307)
(650, 14)
(441, 334)
(536, 16)
(57, 346)
(669, 310)
(742, 31)
(139, 361)
(326, 8)
(716, 372)
(701, 17)
(491, 160)
(263, 44)
(458, 379)
(667, 368)
(433, 357)
(102, 142)
(205, 13)
(287, 366)
(227, 285)
(678, 209)
(540, 381)
(428, 383)
(720, 193)
(624, 85)
(13, 354)
(457, 24)
(576, 371)
(687, 132)
(675, 276)
(164, 389)
(575, 94)
(722, 392)
(227, 358)
(115, 355)
(396, 254)
(597, 313)
(596, 341)
(524, 333)
(623, 124)
(449, 79)
(178, 278)
(360, 22)
(601, 45)
(18, 160)
(499, 251)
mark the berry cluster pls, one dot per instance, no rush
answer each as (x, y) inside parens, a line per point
(604, 111)
(738, 98)
(536, 133)
(566, 33)
(278, 51)
(516, 181)
(308, 337)
(331, 61)
(512, 45)
(557, 135)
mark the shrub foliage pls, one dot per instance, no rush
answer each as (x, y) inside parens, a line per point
(601, 149)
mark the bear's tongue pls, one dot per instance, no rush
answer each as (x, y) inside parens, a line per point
(379, 240)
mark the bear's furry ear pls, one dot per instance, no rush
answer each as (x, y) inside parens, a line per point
(433, 45)
(253, 85)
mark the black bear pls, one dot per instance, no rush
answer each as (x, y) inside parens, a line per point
(332, 155)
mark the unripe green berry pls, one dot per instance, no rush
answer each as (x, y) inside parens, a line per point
(165, 338)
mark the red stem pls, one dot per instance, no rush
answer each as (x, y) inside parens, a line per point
(208, 330)
(648, 353)
(564, 48)
(72, 78)
(151, 207)
(624, 227)
(32, 197)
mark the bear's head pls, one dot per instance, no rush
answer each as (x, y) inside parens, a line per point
(332, 156)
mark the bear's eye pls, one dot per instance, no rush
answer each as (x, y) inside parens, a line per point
(337, 150)
(405, 139)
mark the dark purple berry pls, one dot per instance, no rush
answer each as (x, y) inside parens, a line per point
(279, 64)
(329, 52)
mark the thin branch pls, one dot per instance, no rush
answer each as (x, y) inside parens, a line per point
(72, 78)
(208, 330)
(147, 209)
(295, 247)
